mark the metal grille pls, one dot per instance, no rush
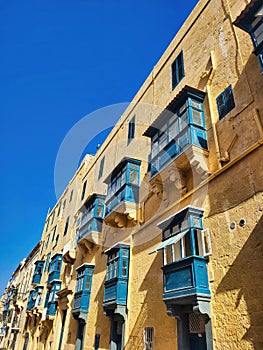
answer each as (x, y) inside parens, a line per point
(196, 323)
(148, 338)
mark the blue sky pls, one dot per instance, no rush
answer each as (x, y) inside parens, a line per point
(60, 60)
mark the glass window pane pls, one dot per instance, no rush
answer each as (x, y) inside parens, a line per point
(259, 34)
(175, 228)
(99, 211)
(196, 104)
(187, 245)
(166, 233)
(177, 251)
(124, 267)
(182, 108)
(183, 121)
(197, 117)
(88, 280)
(163, 139)
(125, 253)
(169, 256)
(154, 148)
(184, 141)
(173, 130)
(134, 177)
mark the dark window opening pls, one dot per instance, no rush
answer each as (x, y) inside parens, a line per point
(177, 70)
(225, 102)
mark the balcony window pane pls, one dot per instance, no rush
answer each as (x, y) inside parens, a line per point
(197, 117)
(163, 139)
(154, 146)
(175, 228)
(108, 272)
(196, 104)
(183, 121)
(116, 263)
(134, 177)
(173, 130)
(187, 245)
(88, 280)
(197, 244)
(169, 255)
(258, 33)
(124, 267)
(184, 140)
(182, 108)
(166, 233)
(177, 254)
(125, 253)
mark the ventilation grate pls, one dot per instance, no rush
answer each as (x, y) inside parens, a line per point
(196, 323)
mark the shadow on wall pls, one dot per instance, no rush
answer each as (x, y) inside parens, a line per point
(148, 294)
(102, 322)
(246, 274)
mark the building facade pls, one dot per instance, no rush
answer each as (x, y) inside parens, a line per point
(156, 243)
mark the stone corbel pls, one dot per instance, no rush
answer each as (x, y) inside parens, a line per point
(203, 307)
(198, 160)
(120, 220)
(178, 179)
(157, 187)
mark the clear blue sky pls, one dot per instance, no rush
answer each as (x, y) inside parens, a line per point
(60, 60)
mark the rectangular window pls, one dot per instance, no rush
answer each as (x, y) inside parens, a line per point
(56, 241)
(66, 226)
(148, 338)
(53, 216)
(54, 232)
(47, 262)
(83, 190)
(101, 167)
(177, 70)
(88, 283)
(71, 196)
(48, 236)
(131, 129)
(124, 268)
(47, 224)
(225, 102)
(59, 208)
(97, 342)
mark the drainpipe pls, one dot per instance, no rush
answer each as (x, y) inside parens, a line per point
(212, 113)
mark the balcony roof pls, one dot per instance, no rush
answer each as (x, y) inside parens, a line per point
(178, 215)
(85, 265)
(244, 19)
(121, 165)
(117, 246)
(90, 199)
(170, 109)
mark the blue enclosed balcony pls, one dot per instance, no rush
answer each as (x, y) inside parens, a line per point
(251, 21)
(83, 289)
(35, 298)
(51, 302)
(117, 274)
(178, 135)
(123, 194)
(186, 278)
(91, 220)
(55, 268)
(186, 246)
(39, 266)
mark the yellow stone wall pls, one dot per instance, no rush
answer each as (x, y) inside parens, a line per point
(216, 54)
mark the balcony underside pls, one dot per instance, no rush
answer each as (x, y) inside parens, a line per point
(186, 285)
(124, 215)
(89, 239)
(69, 256)
(193, 158)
